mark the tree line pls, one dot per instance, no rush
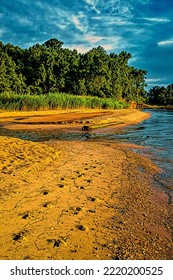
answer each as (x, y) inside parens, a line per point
(161, 95)
(49, 67)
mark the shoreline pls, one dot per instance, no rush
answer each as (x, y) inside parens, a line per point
(80, 200)
(47, 124)
(167, 107)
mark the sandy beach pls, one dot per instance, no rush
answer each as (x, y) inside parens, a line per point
(78, 200)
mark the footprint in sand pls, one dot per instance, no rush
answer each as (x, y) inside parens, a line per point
(75, 210)
(25, 216)
(20, 236)
(61, 186)
(91, 198)
(57, 242)
(82, 228)
(47, 204)
(45, 192)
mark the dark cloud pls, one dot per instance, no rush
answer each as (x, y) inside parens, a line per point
(142, 27)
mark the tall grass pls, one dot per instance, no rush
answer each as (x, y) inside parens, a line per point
(11, 101)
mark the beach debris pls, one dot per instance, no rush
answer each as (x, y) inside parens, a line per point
(92, 210)
(86, 128)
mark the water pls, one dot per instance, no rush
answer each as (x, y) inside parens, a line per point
(156, 136)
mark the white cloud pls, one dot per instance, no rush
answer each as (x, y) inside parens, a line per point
(154, 80)
(165, 43)
(2, 31)
(80, 22)
(79, 48)
(97, 18)
(90, 2)
(125, 10)
(24, 21)
(135, 58)
(144, 2)
(93, 4)
(115, 43)
(122, 8)
(84, 49)
(108, 47)
(157, 19)
(112, 20)
(76, 22)
(93, 39)
(62, 25)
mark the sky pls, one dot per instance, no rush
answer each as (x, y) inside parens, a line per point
(143, 28)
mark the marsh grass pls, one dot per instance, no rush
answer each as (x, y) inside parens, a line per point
(17, 102)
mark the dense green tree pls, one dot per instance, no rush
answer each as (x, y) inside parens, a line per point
(9, 79)
(94, 72)
(51, 68)
(53, 44)
(161, 95)
(119, 74)
(139, 84)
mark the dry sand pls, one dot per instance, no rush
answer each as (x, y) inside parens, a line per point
(78, 199)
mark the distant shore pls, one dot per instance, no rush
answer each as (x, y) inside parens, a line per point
(147, 106)
(78, 199)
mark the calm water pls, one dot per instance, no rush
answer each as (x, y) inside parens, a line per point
(156, 135)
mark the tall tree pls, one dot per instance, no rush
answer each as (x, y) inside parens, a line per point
(9, 79)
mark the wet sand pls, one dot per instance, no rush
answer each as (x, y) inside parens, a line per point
(79, 199)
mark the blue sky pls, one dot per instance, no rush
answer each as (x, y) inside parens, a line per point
(142, 27)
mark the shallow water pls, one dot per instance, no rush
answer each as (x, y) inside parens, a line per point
(156, 135)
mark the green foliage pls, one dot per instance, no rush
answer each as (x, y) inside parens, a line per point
(12, 101)
(51, 68)
(9, 79)
(161, 95)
